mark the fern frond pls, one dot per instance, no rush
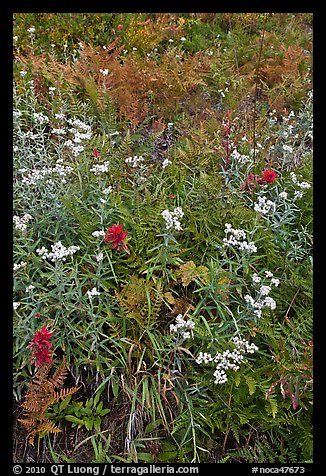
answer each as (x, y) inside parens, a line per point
(40, 395)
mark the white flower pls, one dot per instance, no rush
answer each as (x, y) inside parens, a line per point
(283, 195)
(269, 302)
(269, 274)
(165, 163)
(172, 218)
(93, 292)
(21, 222)
(182, 38)
(108, 190)
(31, 30)
(16, 305)
(304, 185)
(105, 72)
(249, 299)
(265, 290)
(99, 169)
(40, 118)
(264, 206)
(293, 177)
(23, 73)
(204, 357)
(99, 257)
(20, 265)
(256, 279)
(30, 288)
(134, 161)
(59, 252)
(99, 233)
(275, 281)
(227, 360)
(58, 131)
(183, 328)
(297, 194)
(234, 239)
(170, 40)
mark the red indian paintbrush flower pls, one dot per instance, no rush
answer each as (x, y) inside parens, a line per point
(115, 236)
(41, 346)
(269, 176)
(96, 153)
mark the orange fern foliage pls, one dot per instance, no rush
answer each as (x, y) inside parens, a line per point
(42, 393)
(137, 85)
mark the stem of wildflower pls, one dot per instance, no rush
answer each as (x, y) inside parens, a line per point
(228, 428)
(256, 89)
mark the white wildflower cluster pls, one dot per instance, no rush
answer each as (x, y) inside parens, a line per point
(59, 115)
(81, 131)
(283, 195)
(59, 252)
(165, 163)
(16, 114)
(40, 118)
(30, 135)
(59, 131)
(20, 265)
(227, 360)
(239, 158)
(99, 257)
(106, 192)
(237, 239)
(30, 288)
(93, 292)
(98, 233)
(134, 161)
(36, 175)
(16, 305)
(21, 222)
(264, 206)
(183, 328)
(172, 218)
(262, 300)
(99, 169)
(302, 186)
(244, 345)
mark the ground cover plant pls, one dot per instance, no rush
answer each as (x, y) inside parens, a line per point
(162, 237)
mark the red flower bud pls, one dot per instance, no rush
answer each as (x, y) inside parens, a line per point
(96, 153)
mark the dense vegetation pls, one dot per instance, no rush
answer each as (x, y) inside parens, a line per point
(163, 237)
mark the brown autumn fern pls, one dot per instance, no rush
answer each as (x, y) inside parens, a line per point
(43, 392)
